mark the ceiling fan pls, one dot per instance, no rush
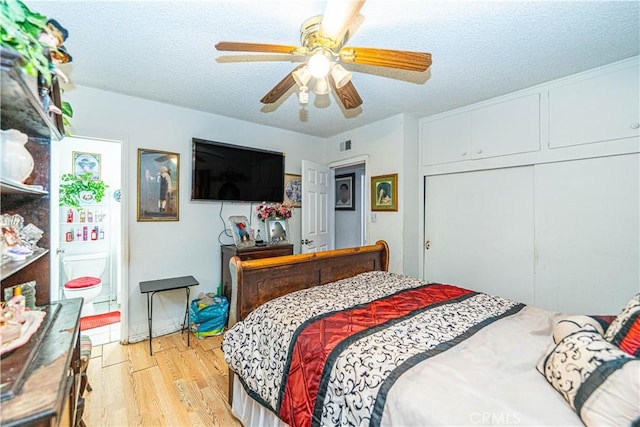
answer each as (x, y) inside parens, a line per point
(322, 48)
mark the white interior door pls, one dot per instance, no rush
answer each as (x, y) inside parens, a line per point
(480, 231)
(317, 208)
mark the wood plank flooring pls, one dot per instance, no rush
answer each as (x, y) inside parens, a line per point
(177, 386)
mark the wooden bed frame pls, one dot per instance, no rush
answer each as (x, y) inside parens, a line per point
(254, 282)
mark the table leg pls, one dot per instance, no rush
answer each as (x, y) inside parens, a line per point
(149, 318)
(185, 324)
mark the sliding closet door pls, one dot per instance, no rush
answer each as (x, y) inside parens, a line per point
(587, 234)
(480, 231)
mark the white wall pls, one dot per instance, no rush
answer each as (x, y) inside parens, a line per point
(390, 149)
(189, 246)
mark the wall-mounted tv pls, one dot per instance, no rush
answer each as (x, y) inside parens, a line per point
(229, 172)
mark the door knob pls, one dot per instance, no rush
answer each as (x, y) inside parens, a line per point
(306, 241)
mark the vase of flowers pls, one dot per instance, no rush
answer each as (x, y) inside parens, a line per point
(273, 210)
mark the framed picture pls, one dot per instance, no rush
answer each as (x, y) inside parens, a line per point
(293, 190)
(277, 231)
(241, 231)
(158, 184)
(345, 192)
(384, 193)
(86, 163)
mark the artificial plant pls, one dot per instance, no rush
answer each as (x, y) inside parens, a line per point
(72, 186)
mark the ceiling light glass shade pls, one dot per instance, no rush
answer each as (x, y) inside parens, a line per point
(322, 86)
(340, 76)
(302, 76)
(319, 65)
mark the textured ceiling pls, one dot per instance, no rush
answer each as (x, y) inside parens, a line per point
(164, 51)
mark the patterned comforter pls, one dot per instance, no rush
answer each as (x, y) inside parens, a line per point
(329, 355)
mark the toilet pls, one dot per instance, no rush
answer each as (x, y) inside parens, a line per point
(84, 272)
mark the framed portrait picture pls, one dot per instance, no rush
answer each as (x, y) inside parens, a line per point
(86, 163)
(293, 190)
(345, 192)
(277, 231)
(241, 231)
(384, 193)
(158, 184)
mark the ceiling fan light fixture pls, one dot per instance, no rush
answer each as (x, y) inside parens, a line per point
(322, 86)
(302, 76)
(340, 76)
(303, 96)
(319, 65)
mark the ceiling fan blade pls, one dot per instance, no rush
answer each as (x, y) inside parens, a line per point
(402, 59)
(347, 94)
(259, 47)
(337, 17)
(281, 88)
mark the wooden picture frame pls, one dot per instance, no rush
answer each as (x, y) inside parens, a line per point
(384, 193)
(87, 163)
(158, 185)
(345, 192)
(277, 231)
(293, 190)
(241, 231)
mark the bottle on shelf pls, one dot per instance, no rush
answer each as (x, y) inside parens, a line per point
(85, 233)
(102, 234)
(94, 233)
(89, 216)
(82, 215)
(70, 215)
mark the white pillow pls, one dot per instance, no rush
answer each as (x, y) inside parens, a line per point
(598, 380)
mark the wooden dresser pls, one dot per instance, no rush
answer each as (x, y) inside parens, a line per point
(40, 380)
(255, 252)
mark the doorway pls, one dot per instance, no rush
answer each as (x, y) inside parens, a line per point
(350, 220)
(94, 228)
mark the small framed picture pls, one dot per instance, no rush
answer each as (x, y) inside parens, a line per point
(384, 193)
(277, 231)
(293, 190)
(346, 192)
(84, 163)
(158, 184)
(241, 231)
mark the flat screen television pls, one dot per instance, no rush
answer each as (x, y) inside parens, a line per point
(223, 171)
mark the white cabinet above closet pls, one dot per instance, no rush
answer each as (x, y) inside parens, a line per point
(600, 108)
(507, 127)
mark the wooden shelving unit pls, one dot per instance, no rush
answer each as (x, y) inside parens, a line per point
(21, 108)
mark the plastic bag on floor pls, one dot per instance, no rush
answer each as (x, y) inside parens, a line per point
(208, 315)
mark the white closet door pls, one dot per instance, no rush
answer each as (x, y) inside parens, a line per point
(480, 231)
(587, 234)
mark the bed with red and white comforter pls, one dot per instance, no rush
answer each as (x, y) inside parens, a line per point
(386, 349)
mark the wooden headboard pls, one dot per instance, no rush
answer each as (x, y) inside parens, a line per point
(255, 282)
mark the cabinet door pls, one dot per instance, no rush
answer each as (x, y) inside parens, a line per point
(446, 140)
(508, 127)
(598, 109)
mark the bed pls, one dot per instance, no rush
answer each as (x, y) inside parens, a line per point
(333, 338)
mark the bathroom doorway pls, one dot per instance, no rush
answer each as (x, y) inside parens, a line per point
(95, 227)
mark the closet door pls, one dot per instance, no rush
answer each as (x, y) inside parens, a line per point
(480, 231)
(587, 234)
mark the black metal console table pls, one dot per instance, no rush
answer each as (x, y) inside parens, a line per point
(152, 287)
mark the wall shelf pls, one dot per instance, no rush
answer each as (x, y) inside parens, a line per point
(21, 106)
(12, 187)
(11, 267)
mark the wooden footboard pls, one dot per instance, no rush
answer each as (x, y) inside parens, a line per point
(255, 282)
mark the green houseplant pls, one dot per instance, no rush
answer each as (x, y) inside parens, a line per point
(75, 190)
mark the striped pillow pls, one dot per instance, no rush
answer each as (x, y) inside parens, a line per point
(624, 331)
(598, 380)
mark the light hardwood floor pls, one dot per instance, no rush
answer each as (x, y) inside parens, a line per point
(177, 386)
